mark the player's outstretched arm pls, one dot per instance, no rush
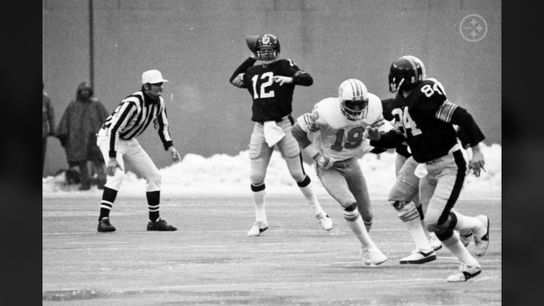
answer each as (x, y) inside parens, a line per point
(387, 140)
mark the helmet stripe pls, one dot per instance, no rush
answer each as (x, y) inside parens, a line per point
(356, 88)
(413, 63)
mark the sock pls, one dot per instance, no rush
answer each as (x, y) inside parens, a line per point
(417, 232)
(108, 197)
(355, 223)
(466, 223)
(458, 249)
(258, 197)
(153, 203)
(310, 196)
(411, 217)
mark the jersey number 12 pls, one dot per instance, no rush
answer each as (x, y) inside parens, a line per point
(261, 91)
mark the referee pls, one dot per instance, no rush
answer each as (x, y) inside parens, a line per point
(118, 144)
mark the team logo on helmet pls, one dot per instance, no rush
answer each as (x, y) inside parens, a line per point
(267, 47)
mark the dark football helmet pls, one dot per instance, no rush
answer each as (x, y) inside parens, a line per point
(353, 96)
(267, 47)
(405, 73)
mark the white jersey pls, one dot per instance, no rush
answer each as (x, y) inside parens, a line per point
(336, 136)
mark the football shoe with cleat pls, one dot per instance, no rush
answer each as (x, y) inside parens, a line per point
(464, 273)
(324, 220)
(466, 238)
(372, 256)
(481, 237)
(419, 256)
(257, 228)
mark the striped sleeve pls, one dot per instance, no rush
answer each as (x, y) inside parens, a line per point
(162, 128)
(445, 111)
(308, 121)
(118, 122)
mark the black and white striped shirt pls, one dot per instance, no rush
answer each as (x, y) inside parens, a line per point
(133, 116)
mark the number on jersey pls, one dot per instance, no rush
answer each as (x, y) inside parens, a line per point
(404, 122)
(260, 89)
(429, 90)
(353, 139)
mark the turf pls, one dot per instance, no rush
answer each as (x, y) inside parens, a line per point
(211, 261)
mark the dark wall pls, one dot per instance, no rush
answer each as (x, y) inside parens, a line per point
(197, 44)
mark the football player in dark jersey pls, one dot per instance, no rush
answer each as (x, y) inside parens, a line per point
(404, 198)
(428, 120)
(271, 82)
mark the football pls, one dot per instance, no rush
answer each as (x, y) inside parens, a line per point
(250, 41)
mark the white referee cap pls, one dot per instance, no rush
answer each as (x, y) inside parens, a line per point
(152, 77)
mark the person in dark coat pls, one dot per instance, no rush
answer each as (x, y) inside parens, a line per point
(77, 133)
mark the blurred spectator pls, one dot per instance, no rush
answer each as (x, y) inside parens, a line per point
(77, 133)
(48, 122)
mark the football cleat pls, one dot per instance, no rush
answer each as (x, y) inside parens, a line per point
(160, 225)
(435, 243)
(372, 256)
(466, 238)
(481, 237)
(464, 273)
(105, 226)
(419, 256)
(257, 228)
(325, 221)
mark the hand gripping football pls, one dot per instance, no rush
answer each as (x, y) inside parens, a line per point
(250, 41)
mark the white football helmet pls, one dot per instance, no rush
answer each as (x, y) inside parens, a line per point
(353, 97)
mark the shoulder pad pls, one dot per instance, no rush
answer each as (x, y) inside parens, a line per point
(330, 113)
(375, 108)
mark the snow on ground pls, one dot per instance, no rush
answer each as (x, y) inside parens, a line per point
(226, 175)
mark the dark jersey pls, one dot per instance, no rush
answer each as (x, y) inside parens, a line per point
(389, 115)
(427, 119)
(270, 100)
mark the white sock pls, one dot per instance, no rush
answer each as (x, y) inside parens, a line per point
(355, 223)
(427, 234)
(417, 232)
(260, 214)
(310, 196)
(466, 223)
(458, 249)
(409, 215)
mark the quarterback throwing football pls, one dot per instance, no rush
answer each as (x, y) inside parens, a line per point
(271, 82)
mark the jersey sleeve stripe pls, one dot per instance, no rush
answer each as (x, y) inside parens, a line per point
(445, 111)
(162, 119)
(310, 123)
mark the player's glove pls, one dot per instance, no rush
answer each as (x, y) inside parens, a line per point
(323, 161)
